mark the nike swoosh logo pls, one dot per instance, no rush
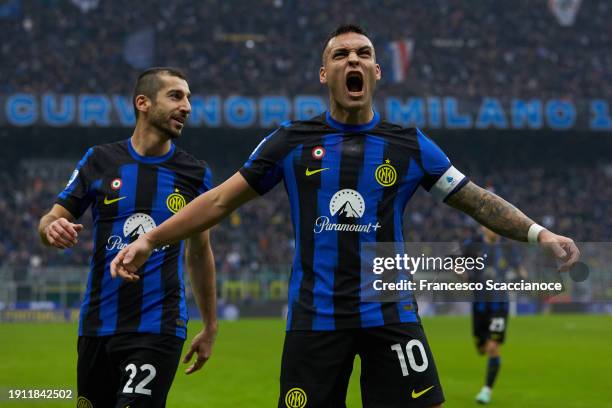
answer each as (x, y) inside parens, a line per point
(311, 172)
(418, 394)
(114, 200)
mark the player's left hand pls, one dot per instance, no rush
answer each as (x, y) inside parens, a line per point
(131, 258)
(563, 248)
(201, 347)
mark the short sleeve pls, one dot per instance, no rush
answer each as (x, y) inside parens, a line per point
(75, 197)
(440, 178)
(264, 168)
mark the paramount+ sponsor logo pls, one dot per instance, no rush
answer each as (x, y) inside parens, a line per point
(136, 225)
(346, 205)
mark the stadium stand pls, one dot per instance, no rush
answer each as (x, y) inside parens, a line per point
(460, 48)
(267, 47)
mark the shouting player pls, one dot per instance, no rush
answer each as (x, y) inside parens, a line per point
(131, 335)
(348, 175)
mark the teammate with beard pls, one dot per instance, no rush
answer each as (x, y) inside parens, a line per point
(348, 175)
(131, 335)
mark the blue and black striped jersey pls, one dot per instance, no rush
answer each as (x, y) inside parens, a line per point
(500, 257)
(348, 185)
(130, 194)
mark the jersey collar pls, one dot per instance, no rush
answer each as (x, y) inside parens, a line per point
(149, 159)
(352, 128)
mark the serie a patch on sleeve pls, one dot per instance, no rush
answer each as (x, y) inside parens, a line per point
(447, 183)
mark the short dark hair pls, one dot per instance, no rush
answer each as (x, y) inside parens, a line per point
(149, 82)
(343, 29)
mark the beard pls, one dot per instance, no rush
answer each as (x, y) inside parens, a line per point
(160, 121)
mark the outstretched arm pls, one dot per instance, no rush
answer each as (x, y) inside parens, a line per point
(492, 211)
(202, 213)
(505, 219)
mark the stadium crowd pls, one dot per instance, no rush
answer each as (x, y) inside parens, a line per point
(571, 201)
(274, 46)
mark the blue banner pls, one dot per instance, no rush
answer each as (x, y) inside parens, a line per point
(268, 111)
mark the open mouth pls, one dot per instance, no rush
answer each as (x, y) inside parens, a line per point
(354, 82)
(180, 120)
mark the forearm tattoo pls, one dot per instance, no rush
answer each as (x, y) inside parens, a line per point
(491, 211)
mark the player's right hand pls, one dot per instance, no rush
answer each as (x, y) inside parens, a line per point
(62, 233)
(131, 258)
(563, 248)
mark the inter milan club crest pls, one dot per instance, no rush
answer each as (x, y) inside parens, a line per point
(318, 152)
(385, 174)
(116, 184)
(296, 398)
(83, 402)
(175, 201)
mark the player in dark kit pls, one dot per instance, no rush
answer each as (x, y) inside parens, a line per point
(131, 334)
(490, 309)
(348, 175)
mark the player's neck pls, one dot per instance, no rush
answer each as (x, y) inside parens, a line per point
(148, 142)
(356, 117)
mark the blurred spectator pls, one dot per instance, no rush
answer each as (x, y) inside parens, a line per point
(462, 48)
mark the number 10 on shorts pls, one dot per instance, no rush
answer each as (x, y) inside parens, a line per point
(410, 348)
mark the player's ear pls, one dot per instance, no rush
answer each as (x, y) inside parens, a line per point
(378, 72)
(142, 103)
(322, 75)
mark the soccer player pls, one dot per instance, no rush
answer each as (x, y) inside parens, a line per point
(131, 334)
(490, 308)
(348, 175)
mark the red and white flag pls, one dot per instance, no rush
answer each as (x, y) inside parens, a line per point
(565, 10)
(401, 57)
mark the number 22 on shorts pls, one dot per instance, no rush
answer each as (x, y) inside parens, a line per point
(141, 386)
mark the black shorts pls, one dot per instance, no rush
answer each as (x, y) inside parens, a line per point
(489, 322)
(126, 369)
(397, 368)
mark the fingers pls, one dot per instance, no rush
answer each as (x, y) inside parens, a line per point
(563, 248)
(129, 260)
(62, 234)
(125, 274)
(557, 250)
(573, 254)
(72, 229)
(566, 252)
(189, 355)
(128, 256)
(118, 268)
(57, 240)
(116, 262)
(202, 353)
(198, 364)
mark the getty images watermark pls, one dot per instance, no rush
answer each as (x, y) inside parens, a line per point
(482, 271)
